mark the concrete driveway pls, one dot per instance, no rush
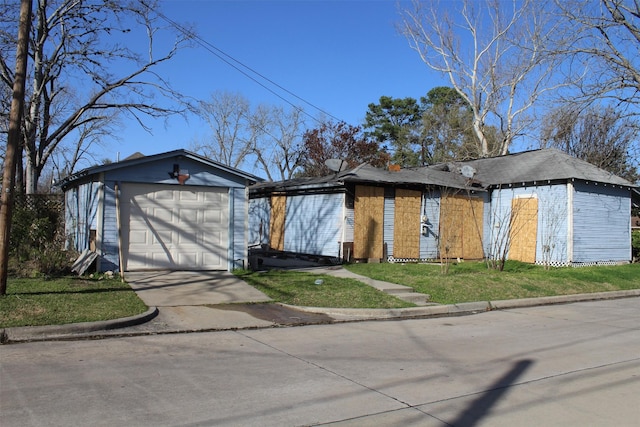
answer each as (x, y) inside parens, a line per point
(190, 288)
(184, 300)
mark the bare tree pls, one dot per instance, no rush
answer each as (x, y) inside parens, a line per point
(498, 55)
(278, 140)
(601, 136)
(75, 47)
(227, 115)
(269, 137)
(606, 37)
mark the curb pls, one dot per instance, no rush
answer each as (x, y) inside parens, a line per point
(352, 314)
(86, 330)
(467, 308)
(71, 330)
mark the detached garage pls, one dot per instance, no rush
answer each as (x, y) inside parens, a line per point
(170, 211)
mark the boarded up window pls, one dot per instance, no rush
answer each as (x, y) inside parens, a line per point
(524, 229)
(461, 220)
(406, 227)
(276, 223)
(369, 215)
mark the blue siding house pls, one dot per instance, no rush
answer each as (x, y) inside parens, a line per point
(540, 206)
(175, 210)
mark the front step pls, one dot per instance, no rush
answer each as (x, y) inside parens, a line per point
(414, 297)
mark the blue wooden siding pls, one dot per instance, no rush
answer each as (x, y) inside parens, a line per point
(238, 227)
(431, 212)
(158, 173)
(109, 259)
(552, 243)
(81, 209)
(314, 224)
(259, 216)
(601, 223)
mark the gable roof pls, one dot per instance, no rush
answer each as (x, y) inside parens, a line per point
(547, 164)
(137, 159)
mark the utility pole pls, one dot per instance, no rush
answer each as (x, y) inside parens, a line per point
(13, 140)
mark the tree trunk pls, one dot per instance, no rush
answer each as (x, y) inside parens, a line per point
(13, 141)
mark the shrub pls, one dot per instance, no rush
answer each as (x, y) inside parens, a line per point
(635, 243)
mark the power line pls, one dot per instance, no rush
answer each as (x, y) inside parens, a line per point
(231, 61)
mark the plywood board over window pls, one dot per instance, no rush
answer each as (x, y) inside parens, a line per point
(368, 224)
(276, 222)
(406, 227)
(461, 227)
(524, 229)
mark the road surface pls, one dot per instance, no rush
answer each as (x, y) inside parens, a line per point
(564, 365)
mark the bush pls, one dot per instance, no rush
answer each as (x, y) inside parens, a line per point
(35, 240)
(635, 243)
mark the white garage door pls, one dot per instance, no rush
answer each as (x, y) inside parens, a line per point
(174, 227)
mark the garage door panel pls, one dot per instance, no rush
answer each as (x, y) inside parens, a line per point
(212, 258)
(188, 217)
(161, 216)
(162, 237)
(184, 228)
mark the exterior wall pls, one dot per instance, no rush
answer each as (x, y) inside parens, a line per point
(259, 217)
(388, 219)
(430, 227)
(601, 218)
(314, 224)
(553, 225)
(110, 258)
(81, 209)
(238, 228)
(551, 239)
(158, 172)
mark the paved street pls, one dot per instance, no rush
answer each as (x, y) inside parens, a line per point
(564, 365)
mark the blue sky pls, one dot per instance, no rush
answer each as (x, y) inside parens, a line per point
(337, 55)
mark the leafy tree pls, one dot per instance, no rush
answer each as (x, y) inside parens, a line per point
(395, 122)
(600, 136)
(338, 141)
(72, 86)
(447, 127)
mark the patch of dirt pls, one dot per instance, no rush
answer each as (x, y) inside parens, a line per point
(278, 314)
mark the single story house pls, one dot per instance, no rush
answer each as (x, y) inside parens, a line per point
(176, 210)
(540, 206)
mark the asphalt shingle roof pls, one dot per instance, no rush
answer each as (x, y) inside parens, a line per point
(535, 166)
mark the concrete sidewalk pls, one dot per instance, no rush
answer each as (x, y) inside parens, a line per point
(182, 302)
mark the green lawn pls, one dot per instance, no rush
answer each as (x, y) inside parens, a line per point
(35, 302)
(300, 288)
(472, 281)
